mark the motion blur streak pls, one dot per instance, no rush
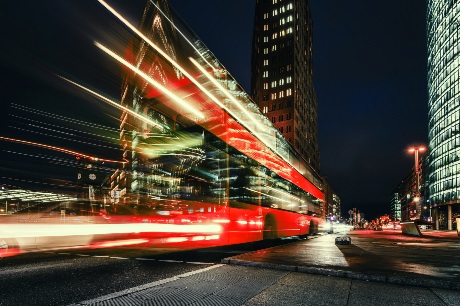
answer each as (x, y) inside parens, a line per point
(59, 230)
(118, 243)
(166, 56)
(59, 150)
(117, 105)
(152, 81)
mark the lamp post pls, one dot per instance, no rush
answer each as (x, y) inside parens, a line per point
(416, 198)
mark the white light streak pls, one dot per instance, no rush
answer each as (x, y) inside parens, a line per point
(163, 89)
(116, 104)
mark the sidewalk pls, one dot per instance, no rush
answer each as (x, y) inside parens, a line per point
(432, 260)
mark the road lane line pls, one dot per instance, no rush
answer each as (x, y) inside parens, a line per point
(143, 287)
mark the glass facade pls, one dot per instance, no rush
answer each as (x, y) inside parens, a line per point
(443, 22)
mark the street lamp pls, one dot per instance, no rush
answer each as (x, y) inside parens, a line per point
(416, 199)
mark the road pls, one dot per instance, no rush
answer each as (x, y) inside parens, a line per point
(65, 277)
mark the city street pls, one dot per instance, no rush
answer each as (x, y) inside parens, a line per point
(254, 276)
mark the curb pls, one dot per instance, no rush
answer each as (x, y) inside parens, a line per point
(380, 278)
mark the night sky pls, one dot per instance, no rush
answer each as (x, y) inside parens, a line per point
(369, 75)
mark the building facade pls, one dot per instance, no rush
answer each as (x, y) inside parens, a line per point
(331, 208)
(406, 202)
(443, 23)
(282, 73)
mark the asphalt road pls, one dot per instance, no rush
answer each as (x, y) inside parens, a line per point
(65, 277)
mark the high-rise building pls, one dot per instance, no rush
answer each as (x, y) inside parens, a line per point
(443, 23)
(282, 73)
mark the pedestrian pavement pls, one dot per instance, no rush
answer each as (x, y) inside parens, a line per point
(377, 268)
(432, 260)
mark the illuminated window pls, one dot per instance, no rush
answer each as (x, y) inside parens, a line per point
(289, 79)
(265, 27)
(266, 62)
(265, 50)
(288, 92)
(282, 33)
(282, 21)
(273, 84)
(265, 110)
(274, 96)
(289, 30)
(274, 48)
(265, 85)
(289, 19)
(265, 15)
(275, 35)
(265, 38)
(265, 75)
(281, 82)
(275, 12)
(275, 1)
(281, 94)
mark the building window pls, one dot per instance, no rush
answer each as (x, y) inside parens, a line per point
(274, 96)
(265, 75)
(275, 35)
(265, 110)
(289, 79)
(281, 82)
(274, 107)
(289, 92)
(265, 50)
(266, 62)
(265, 38)
(273, 84)
(274, 48)
(265, 27)
(273, 119)
(280, 129)
(265, 15)
(275, 12)
(281, 95)
(265, 85)
(280, 118)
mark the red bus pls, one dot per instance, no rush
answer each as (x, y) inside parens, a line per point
(204, 166)
(198, 149)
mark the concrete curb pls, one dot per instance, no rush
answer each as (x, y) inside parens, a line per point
(380, 278)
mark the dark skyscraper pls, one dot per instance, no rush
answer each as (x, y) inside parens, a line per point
(282, 73)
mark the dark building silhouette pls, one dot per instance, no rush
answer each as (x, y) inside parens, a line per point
(282, 73)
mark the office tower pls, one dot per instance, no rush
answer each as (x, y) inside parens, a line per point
(282, 73)
(443, 22)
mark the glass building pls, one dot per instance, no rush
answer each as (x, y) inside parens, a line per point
(443, 22)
